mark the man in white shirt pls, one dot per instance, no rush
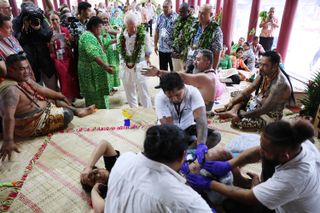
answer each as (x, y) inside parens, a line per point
(149, 181)
(184, 106)
(295, 185)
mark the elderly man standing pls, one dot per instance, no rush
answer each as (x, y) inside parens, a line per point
(181, 36)
(164, 35)
(206, 34)
(135, 51)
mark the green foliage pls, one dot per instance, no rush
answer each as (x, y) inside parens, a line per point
(312, 100)
(263, 15)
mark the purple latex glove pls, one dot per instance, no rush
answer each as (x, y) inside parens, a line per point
(198, 182)
(201, 150)
(217, 168)
(185, 168)
(213, 210)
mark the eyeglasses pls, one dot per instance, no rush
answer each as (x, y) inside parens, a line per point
(54, 19)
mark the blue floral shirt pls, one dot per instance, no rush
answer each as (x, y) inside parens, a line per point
(164, 28)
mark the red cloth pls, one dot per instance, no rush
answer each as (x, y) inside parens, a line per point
(66, 67)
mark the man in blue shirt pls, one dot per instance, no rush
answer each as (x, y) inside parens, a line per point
(164, 35)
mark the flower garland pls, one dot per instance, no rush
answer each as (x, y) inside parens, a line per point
(206, 35)
(131, 60)
(182, 35)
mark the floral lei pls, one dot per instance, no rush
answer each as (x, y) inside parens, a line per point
(131, 60)
(182, 39)
(206, 36)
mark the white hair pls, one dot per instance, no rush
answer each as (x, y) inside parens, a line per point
(135, 17)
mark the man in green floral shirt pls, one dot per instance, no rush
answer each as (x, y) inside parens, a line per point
(182, 36)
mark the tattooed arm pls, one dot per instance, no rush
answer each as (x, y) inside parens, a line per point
(279, 94)
(199, 115)
(248, 156)
(48, 93)
(8, 105)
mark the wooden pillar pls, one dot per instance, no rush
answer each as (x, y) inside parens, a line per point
(62, 2)
(218, 7)
(69, 4)
(191, 3)
(44, 5)
(55, 5)
(207, 1)
(107, 3)
(199, 3)
(289, 12)
(254, 15)
(13, 5)
(177, 6)
(228, 15)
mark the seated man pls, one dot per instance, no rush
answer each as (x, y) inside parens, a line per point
(95, 180)
(183, 106)
(293, 185)
(25, 107)
(272, 91)
(149, 181)
(205, 78)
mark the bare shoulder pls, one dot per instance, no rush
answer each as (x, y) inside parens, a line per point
(9, 97)
(281, 84)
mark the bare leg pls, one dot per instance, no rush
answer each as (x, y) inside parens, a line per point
(51, 82)
(232, 113)
(80, 112)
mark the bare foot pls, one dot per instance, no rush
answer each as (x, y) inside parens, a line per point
(82, 112)
(227, 114)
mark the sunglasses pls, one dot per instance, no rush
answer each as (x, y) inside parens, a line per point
(54, 19)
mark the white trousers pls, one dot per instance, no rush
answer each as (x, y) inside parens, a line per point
(134, 83)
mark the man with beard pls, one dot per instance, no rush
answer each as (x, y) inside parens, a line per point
(254, 112)
(268, 26)
(292, 183)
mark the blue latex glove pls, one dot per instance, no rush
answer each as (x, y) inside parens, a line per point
(217, 168)
(201, 150)
(185, 168)
(213, 210)
(198, 182)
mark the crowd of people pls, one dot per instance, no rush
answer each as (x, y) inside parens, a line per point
(50, 58)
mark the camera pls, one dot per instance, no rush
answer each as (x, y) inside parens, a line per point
(73, 27)
(33, 14)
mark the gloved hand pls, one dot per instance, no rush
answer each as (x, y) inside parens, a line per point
(201, 150)
(217, 168)
(185, 168)
(198, 182)
(213, 210)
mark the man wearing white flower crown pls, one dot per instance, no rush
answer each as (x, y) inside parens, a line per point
(135, 49)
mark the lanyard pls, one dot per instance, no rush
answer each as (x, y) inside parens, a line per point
(179, 113)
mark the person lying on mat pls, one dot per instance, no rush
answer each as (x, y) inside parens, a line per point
(149, 181)
(205, 78)
(290, 172)
(27, 109)
(94, 180)
(272, 89)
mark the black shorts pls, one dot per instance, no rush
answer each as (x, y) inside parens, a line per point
(192, 132)
(110, 161)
